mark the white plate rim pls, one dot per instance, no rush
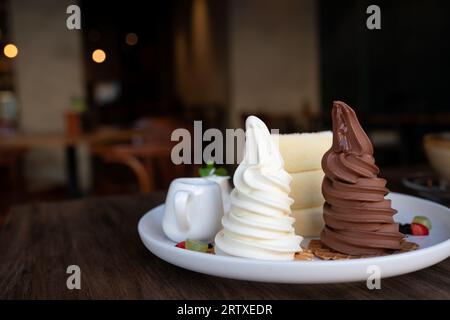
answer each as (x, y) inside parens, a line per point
(437, 249)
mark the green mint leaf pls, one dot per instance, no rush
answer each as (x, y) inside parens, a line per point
(210, 164)
(206, 172)
(221, 172)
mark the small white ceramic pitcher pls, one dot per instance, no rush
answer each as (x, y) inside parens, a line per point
(193, 210)
(224, 183)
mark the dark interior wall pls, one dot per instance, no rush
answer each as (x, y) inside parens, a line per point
(6, 73)
(143, 72)
(201, 53)
(401, 68)
(396, 77)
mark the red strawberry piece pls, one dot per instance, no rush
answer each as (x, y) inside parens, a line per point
(419, 229)
(181, 245)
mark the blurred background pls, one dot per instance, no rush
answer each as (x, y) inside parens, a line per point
(90, 112)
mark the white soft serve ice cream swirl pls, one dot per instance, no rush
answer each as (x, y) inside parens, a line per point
(259, 224)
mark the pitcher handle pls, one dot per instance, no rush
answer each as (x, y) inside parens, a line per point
(181, 202)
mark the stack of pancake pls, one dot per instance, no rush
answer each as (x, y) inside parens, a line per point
(302, 154)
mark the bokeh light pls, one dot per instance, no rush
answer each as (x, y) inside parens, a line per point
(131, 39)
(99, 56)
(10, 50)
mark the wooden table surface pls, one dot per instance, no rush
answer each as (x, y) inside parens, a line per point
(38, 242)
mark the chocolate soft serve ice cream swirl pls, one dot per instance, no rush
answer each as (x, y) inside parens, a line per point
(358, 219)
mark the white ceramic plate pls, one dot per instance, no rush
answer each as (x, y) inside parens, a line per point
(433, 249)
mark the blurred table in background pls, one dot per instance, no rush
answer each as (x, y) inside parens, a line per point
(24, 141)
(395, 176)
(148, 154)
(145, 150)
(139, 158)
(42, 140)
(395, 182)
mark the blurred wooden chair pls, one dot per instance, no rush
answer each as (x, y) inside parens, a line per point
(285, 123)
(147, 155)
(306, 119)
(211, 115)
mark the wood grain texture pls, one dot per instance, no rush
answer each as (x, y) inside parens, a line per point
(38, 242)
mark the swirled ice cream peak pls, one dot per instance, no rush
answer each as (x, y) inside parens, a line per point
(259, 224)
(358, 219)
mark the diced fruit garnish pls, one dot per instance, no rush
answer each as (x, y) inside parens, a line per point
(196, 245)
(181, 245)
(419, 229)
(405, 228)
(423, 221)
